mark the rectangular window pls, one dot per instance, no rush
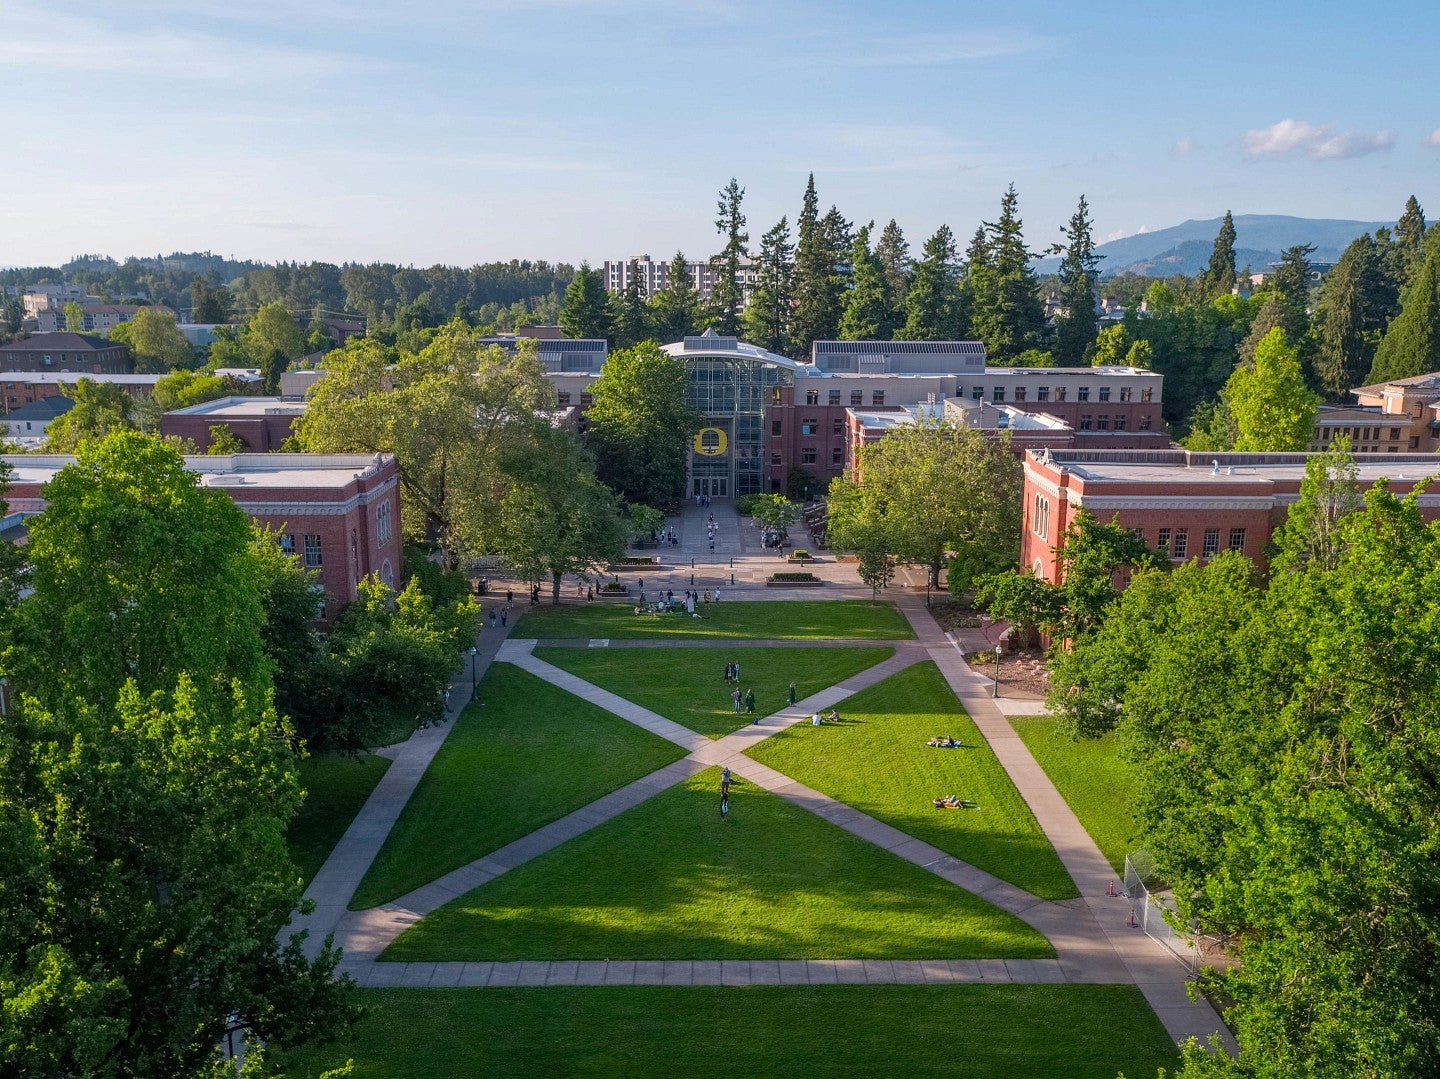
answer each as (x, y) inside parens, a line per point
(775, 395)
(977, 393)
(313, 554)
(1083, 393)
(775, 428)
(877, 397)
(810, 426)
(1237, 539)
(834, 397)
(837, 455)
(775, 459)
(1182, 544)
(1163, 541)
(1119, 423)
(562, 399)
(586, 400)
(1144, 424)
(1042, 393)
(838, 426)
(1145, 394)
(1102, 423)
(812, 397)
(1019, 393)
(1124, 393)
(1394, 434)
(807, 455)
(1087, 423)
(997, 394)
(1104, 393)
(857, 398)
(1059, 393)
(1212, 542)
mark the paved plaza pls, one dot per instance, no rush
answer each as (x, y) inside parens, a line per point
(1092, 941)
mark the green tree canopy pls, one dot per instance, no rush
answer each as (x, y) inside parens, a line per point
(1411, 345)
(815, 284)
(1272, 406)
(767, 316)
(586, 311)
(867, 302)
(640, 425)
(934, 303)
(1356, 301)
(930, 493)
(1007, 313)
(675, 310)
(446, 413)
(101, 408)
(727, 298)
(155, 341)
(629, 317)
(1079, 268)
(1219, 275)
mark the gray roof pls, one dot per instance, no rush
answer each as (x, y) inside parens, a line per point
(61, 341)
(44, 410)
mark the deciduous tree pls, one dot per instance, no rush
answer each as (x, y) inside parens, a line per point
(101, 408)
(1273, 408)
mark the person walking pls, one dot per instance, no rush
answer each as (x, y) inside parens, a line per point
(724, 804)
(727, 672)
(750, 703)
(492, 617)
(717, 591)
(724, 780)
(504, 616)
(590, 594)
(736, 668)
(790, 697)
(736, 697)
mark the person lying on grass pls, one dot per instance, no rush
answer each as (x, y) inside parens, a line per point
(950, 801)
(943, 743)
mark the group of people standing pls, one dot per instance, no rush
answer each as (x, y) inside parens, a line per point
(739, 699)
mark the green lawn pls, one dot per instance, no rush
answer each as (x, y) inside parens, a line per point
(688, 684)
(671, 880)
(878, 762)
(522, 755)
(335, 789)
(1092, 777)
(759, 620)
(958, 1031)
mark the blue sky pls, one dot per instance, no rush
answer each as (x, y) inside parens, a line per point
(570, 129)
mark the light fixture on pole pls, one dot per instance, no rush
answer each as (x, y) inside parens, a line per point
(474, 652)
(996, 690)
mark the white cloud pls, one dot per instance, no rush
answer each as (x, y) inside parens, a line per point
(1183, 147)
(1320, 142)
(55, 43)
(1433, 139)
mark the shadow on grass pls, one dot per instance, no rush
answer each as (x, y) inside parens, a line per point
(672, 880)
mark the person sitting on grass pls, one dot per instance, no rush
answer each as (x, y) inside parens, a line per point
(834, 715)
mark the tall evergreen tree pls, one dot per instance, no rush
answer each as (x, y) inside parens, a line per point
(867, 302)
(767, 316)
(1008, 315)
(727, 295)
(1219, 276)
(816, 284)
(934, 308)
(894, 255)
(1411, 345)
(586, 310)
(1075, 330)
(629, 317)
(675, 309)
(1355, 303)
(1409, 239)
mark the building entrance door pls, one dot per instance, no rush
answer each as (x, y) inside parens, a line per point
(712, 486)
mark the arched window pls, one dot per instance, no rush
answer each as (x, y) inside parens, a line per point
(387, 575)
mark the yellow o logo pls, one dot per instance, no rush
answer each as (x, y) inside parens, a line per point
(710, 441)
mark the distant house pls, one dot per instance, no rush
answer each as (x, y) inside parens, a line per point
(95, 317)
(29, 422)
(76, 352)
(19, 388)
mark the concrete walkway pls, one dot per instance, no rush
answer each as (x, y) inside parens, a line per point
(1158, 974)
(332, 887)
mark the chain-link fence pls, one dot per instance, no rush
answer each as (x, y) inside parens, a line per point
(1150, 909)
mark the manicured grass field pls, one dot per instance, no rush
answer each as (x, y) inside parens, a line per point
(336, 787)
(671, 880)
(522, 755)
(752, 620)
(688, 684)
(1092, 777)
(957, 1031)
(877, 761)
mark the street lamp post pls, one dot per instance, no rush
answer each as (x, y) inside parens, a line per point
(474, 652)
(996, 691)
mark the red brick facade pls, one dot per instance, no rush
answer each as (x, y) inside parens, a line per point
(1193, 505)
(339, 514)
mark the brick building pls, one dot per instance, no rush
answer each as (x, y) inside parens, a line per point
(1189, 504)
(1402, 416)
(95, 317)
(339, 513)
(20, 388)
(66, 352)
(261, 423)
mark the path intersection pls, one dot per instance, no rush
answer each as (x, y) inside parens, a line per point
(1090, 935)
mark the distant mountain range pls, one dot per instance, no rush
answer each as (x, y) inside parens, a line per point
(1259, 240)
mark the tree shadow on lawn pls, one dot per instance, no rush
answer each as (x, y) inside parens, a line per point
(672, 880)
